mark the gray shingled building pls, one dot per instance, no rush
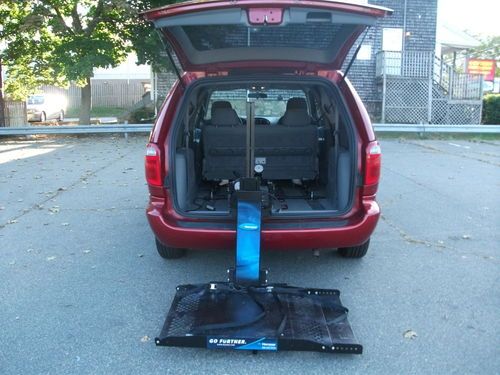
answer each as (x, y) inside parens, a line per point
(412, 27)
(397, 74)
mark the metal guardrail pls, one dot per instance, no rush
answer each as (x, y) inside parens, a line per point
(431, 128)
(146, 128)
(77, 129)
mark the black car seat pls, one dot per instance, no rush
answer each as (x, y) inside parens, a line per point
(296, 113)
(223, 144)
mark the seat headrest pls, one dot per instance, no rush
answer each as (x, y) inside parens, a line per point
(296, 113)
(225, 117)
(296, 103)
(296, 117)
(221, 104)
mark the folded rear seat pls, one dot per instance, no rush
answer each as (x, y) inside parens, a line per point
(287, 151)
(224, 144)
(290, 149)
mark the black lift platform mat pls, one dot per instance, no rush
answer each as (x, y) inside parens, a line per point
(223, 315)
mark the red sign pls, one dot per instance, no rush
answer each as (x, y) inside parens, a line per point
(483, 67)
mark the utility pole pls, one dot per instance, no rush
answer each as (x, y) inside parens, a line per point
(2, 105)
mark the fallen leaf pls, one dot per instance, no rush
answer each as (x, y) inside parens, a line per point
(145, 339)
(466, 237)
(86, 251)
(54, 210)
(410, 334)
(51, 258)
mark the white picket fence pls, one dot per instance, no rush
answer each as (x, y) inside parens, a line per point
(117, 93)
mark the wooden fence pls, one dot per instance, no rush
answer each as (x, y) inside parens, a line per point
(120, 93)
(15, 113)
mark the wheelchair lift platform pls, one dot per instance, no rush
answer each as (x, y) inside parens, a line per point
(248, 313)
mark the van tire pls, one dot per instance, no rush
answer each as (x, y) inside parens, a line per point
(169, 252)
(355, 251)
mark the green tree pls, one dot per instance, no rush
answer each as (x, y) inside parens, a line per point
(59, 41)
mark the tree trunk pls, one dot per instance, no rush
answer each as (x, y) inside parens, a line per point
(3, 121)
(86, 104)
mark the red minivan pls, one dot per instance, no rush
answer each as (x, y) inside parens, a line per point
(273, 67)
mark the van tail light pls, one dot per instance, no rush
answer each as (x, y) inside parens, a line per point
(373, 160)
(153, 165)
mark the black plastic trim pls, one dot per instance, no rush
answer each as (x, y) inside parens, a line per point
(274, 225)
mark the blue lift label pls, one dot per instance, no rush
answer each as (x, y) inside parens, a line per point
(248, 241)
(215, 342)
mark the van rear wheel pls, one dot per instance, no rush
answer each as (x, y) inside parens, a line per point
(355, 251)
(169, 252)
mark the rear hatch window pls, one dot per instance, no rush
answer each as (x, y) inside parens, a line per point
(245, 34)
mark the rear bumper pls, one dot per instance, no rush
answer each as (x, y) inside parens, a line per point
(355, 232)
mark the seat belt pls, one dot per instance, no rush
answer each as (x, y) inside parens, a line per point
(336, 149)
(188, 154)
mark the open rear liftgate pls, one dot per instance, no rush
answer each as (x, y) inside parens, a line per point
(247, 313)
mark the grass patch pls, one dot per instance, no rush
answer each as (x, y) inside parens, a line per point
(98, 112)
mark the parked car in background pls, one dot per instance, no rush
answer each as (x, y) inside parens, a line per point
(43, 107)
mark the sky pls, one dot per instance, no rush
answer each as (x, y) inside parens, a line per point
(477, 16)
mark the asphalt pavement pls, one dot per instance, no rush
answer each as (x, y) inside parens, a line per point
(82, 290)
